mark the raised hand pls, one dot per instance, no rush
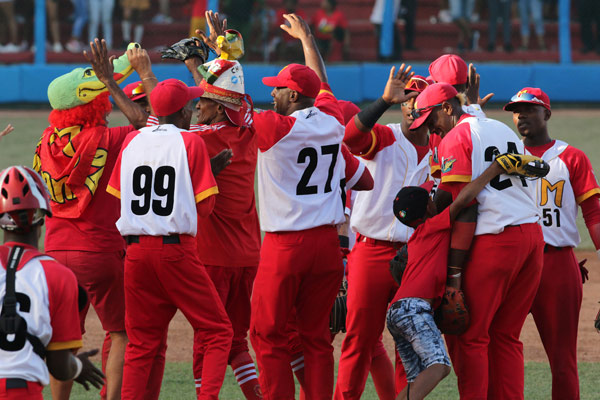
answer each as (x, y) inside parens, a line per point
(140, 61)
(9, 128)
(394, 88)
(217, 28)
(473, 88)
(298, 28)
(98, 58)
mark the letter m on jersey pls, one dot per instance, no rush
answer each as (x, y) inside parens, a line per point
(547, 187)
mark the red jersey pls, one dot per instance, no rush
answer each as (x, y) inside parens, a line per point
(95, 229)
(230, 236)
(425, 274)
(324, 24)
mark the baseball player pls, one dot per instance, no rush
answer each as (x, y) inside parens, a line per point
(570, 182)
(75, 156)
(39, 323)
(396, 156)
(502, 274)
(135, 92)
(165, 184)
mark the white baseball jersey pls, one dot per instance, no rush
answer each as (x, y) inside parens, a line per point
(47, 295)
(570, 181)
(394, 163)
(161, 173)
(466, 151)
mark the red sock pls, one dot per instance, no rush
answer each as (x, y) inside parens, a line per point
(245, 374)
(105, 350)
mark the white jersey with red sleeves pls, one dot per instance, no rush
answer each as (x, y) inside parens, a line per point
(157, 184)
(47, 296)
(570, 181)
(299, 177)
(466, 151)
(395, 165)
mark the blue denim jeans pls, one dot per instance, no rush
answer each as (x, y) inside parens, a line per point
(80, 8)
(535, 8)
(418, 340)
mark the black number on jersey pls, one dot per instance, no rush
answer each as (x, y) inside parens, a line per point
(311, 153)
(163, 185)
(19, 339)
(547, 217)
(489, 156)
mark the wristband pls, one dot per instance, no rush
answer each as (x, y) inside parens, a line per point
(455, 275)
(79, 368)
(369, 115)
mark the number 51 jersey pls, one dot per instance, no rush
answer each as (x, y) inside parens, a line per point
(160, 175)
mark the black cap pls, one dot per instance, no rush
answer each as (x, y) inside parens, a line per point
(410, 204)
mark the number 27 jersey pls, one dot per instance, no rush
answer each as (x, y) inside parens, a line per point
(161, 173)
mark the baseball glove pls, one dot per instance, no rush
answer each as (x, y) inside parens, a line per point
(523, 165)
(398, 264)
(337, 318)
(597, 322)
(186, 48)
(452, 316)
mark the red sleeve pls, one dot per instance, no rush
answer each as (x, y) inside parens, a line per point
(64, 314)
(581, 174)
(367, 145)
(352, 164)
(118, 135)
(270, 128)
(341, 20)
(114, 183)
(454, 153)
(203, 179)
(327, 103)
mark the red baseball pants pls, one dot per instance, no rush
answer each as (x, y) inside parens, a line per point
(159, 279)
(557, 318)
(370, 289)
(33, 391)
(301, 270)
(499, 282)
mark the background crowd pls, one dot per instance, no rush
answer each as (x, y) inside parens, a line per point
(478, 25)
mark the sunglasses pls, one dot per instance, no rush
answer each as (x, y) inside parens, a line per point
(416, 84)
(526, 97)
(420, 111)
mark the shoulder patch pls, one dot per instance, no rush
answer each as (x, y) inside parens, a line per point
(447, 164)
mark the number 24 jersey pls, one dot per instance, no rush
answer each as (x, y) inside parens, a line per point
(161, 173)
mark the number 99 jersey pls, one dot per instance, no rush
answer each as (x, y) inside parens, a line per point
(160, 175)
(570, 181)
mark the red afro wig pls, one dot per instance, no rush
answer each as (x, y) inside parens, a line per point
(88, 115)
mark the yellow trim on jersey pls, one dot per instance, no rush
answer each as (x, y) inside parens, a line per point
(456, 178)
(325, 91)
(73, 344)
(373, 144)
(435, 168)
(113, 191)
(208, 192)
(587, 195)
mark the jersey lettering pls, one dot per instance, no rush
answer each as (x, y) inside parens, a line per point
(548, 219)
(17, 341)
(311, 153)
(547, 187)
(490, 154)
(143, 187)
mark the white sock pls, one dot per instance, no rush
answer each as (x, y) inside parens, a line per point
(138, 32)
(198, 382)
(126, 28)
(297, 363)
(245, 373)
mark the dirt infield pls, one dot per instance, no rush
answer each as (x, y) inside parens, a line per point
(181, 334)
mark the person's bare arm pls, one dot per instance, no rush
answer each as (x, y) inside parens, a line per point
(192, 65)
(299, 29)
(9, 128)
(140, 62)
(103, 67)
(469, 192)
(63, 365)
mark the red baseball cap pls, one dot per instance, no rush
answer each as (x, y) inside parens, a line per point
(431, 97)
(529, 95)
(135, 91)
(449, 68)
(172, 95)
(349, 110)
(296, 77)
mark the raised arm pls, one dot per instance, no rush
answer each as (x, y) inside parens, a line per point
(140, 62)
(103, 68)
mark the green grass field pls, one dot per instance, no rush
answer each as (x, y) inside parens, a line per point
(577, 128)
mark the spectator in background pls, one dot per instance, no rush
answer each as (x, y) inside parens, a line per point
(238, 13)
(133, 16)
(461, 11)
(330, 28)
(288, 48)
(163, 16)
(7, 9)
(25, 11)
(589, 13)
(533, 7)
(499, 8)
(377, 20)
(261, 21)
(198, 21)
(101, 10)
(80, 9)
(408, 12)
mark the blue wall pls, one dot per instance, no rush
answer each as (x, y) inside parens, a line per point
(354, 82)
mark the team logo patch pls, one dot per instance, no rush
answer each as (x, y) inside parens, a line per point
(447, 164)
(402, 213)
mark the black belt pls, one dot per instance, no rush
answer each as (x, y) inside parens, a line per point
(172, 239)
(548, 247)
(16, 383)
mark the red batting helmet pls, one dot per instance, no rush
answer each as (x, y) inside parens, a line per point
(24, 199)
